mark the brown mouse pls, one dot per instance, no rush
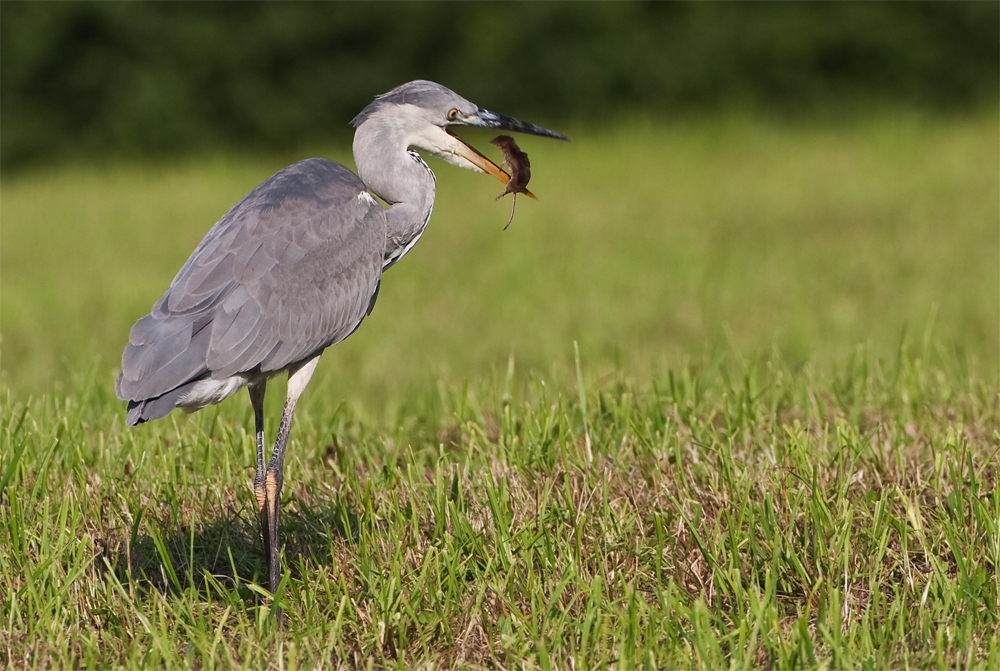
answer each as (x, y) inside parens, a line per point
(520, 170)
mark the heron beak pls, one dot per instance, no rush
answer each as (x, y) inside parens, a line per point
(487, 119)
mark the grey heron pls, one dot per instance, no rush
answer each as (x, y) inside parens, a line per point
(295, 267)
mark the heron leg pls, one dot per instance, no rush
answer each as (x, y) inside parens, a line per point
(259, 481)
(298, 378)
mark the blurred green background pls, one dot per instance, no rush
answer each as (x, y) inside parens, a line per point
(749, 177)
(81, 79)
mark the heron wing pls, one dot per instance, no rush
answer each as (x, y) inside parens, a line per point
(291, 269)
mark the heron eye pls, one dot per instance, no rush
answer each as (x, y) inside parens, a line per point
(452, 114)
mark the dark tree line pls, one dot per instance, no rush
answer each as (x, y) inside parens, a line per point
(79, 78)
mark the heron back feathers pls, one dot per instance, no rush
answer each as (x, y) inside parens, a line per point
(288, 271)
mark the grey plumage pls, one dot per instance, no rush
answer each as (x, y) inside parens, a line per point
(295, 267)
(419, 93)
(289, 271)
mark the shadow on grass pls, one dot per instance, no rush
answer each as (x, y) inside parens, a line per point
(222, 555)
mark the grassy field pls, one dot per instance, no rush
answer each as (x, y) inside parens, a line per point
(726, 396)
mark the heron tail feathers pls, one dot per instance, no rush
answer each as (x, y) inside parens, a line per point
(155, 408)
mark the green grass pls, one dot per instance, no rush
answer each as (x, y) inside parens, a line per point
(776, 447)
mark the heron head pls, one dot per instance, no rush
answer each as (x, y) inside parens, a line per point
(426, 112)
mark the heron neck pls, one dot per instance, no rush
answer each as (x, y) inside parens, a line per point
(400, 178)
